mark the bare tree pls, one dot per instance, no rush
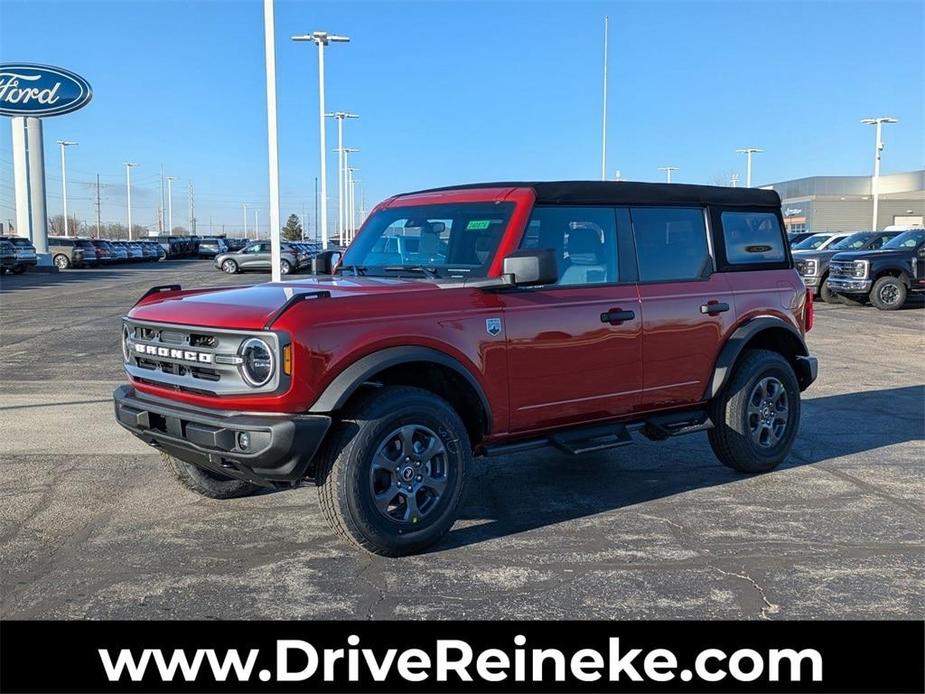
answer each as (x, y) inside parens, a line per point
(724, 178)
(56, 225)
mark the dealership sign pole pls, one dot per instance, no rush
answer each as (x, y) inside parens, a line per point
(28, 93)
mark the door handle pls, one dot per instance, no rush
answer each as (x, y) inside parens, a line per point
(616, 315)
(713, 307)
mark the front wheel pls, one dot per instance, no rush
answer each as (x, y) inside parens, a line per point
(19, 269)
(205, 482)
(229, 266)
(393, 474)
(826, 294)
(284, 267)
(62, 262)
(888, 293)
(757, 415)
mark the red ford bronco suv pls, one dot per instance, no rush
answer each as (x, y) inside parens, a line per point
(480, 320)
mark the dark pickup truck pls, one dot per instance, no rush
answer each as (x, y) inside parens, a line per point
(885, 277)
(813, 265)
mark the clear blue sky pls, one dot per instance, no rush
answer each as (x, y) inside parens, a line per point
(454, 92)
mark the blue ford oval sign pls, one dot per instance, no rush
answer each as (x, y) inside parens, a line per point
(40, 90)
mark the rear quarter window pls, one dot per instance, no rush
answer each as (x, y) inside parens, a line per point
(752, 238)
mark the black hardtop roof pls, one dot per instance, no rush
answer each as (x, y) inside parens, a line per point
(630, 193)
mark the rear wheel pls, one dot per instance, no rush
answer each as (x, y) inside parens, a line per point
(888, 293)
(205, 482)
(393, 474)
(229, 266)
(757, 415)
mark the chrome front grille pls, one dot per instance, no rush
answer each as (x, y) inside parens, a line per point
(196, 359)
(841, 269)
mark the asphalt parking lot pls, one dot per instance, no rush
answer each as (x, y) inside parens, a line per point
(90, 526)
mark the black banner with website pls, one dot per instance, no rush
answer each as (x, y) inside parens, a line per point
(193, 656)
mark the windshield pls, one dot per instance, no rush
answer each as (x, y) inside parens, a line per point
(853, 242)
(907, 239)
(812, 242)
(453, 240)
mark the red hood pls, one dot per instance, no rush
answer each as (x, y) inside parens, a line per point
(249, 308)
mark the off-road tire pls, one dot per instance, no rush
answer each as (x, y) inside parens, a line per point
(826, 294)
(62, 262)
(229, 266)
(205, 482)
(730, 437)
(896, 288)
(345, 467)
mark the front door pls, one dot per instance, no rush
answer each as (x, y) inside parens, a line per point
(574, 348)
(687, 308)
(255, 256)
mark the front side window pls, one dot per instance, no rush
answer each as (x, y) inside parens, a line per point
(453, 240)
(907, 239)
(752, 237)
(811, 243)
(584, 240)
(853, 242)
(671, 243)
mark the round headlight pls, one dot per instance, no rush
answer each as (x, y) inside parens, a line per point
(126, 351)
(259, 364)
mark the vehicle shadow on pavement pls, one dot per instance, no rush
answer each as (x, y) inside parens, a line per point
(519, 493)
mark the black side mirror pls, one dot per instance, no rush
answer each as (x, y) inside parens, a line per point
(325, 262)
(921, 252)
(532, 267)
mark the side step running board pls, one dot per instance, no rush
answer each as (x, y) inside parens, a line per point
(581, 441)
(589, 439)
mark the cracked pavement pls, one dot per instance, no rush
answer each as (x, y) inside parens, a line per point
(91, 527)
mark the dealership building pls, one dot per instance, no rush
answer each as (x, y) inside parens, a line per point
(844, 203)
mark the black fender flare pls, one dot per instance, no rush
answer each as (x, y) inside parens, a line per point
(741, 337)
(346, 383)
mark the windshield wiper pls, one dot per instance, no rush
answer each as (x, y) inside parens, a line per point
(429, 272)
(357, 270)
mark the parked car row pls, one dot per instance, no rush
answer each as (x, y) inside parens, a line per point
(74, 252)
(882, 267)
(23, 254)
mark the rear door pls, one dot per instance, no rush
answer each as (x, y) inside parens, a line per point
(687, 307)
(574, 348)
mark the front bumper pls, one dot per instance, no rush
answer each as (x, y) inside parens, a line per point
(281, 448)
(811, 282)
(843, 285)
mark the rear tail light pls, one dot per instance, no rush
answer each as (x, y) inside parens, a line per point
(810, 312)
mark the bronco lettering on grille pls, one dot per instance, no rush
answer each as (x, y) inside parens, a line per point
(170, 353)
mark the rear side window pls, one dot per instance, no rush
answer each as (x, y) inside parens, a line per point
(752, 237)
(584, 240)
(671, 243)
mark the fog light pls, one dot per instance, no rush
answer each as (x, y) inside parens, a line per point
(244, 440)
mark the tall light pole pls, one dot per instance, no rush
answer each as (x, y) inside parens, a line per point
(748, 152)
(244, 205)
(351, 220)
(341, 214)
(322, 39)
(170, 180)
(668, 170)
(878, 148)
(64, 144)
(256, 224)
(269, 41)
(604, 125)
(128, 193)
(345, 152)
